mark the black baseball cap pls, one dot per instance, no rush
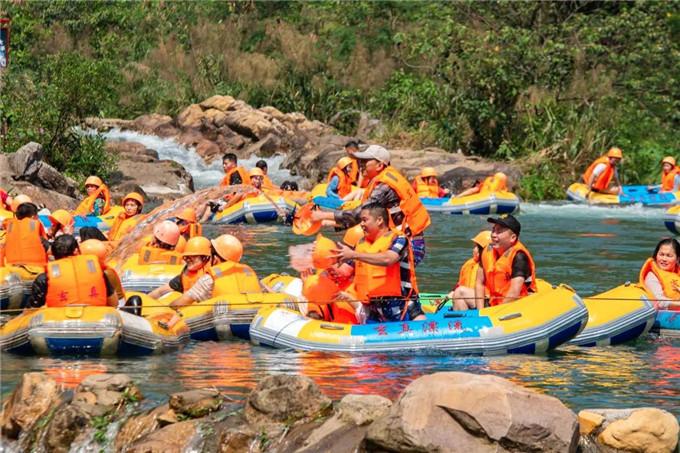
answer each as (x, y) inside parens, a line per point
(508, 221)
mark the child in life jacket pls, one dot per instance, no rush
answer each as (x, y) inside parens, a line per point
(129, 218)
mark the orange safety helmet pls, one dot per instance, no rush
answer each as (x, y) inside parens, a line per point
(133, 196)
(302, 224)
(228, 247)
(19, 200)
(188, 214)
(94, 247)
(198, 246)
(320, 288)
(668, 160)
(426, 172)
(344, 162)
(256, 172)
(615, 152)
(62, 217)
(94, 181)
(324, 252)
(353, 236)
(483, 239)
(167, 232)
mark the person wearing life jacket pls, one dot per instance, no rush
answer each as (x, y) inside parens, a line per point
(73, 278)
(426, 184)
(659, 275)
(225, 275)
(26, 239)
(197, 259)
(381, 282)
(463, 294)
(98, 200)
(506, 270)
(601, 173)
(129, 218)
(339, 181)
(161, 248)
(391, 190)
(670, 176)
(233, 172)
(266, 181)
(61, 222)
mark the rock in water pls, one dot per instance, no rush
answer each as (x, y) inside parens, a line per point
(446, 412)
(32, 397)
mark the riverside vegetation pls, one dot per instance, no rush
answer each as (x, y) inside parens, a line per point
(549, 85)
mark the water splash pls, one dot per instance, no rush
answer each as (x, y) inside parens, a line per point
(205, 175)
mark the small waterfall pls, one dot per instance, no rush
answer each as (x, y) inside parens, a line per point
(205, 175)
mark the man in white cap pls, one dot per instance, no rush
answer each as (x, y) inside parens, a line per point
(390, 189)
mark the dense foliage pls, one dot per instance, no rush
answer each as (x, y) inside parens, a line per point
(550, 84)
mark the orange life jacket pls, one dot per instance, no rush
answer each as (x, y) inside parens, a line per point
(234, 278)
(23, 243)
(344, 182)
(416, 217)
(668, 280)
(189, 278)
(492, 184)
(86, 206)
(425, 190)
(122, 225)
(245, 179)
(155, 255)
(267, 183)
(75, 280)
(498, 271)
(603, 180)
(468, 273)
(376, 281)
(668, 180)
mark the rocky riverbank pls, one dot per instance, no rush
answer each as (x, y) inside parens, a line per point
(222, 124)
(439, 412)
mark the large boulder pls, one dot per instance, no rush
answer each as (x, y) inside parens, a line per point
(643, 430)
(466, 412)
(284, 398)
(35, 394)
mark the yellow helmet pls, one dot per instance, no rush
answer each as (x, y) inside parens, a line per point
(134, 196)
(668, 160)
(188, 215)
(19, 200)
(94, 247)
(324, 252)
(343, 162)
(93, 181)
(426, 172)
(228, 247)
(198, 246)
(353, 236)
(62, 217)
(319, 288)
(483, 239)
(615, 152)
(255, 172)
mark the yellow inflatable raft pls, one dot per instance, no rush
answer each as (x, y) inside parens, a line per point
(616, 316)
(87, 330)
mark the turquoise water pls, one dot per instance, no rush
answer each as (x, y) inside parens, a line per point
(591, 249)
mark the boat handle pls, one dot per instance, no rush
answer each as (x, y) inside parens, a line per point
(331, 327)
(510, 316)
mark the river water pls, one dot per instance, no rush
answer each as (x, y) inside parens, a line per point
(591, 249)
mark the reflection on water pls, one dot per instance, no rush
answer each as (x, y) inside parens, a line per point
(580, 247)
